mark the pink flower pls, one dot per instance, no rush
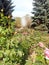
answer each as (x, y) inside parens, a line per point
(41, 44)
(46, 53)
(25, 33)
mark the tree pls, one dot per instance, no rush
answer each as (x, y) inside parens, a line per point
(41, 11)
(18, 22)
(28, 20)
(6, 7)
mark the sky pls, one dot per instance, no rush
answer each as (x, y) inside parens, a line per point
(22, 7)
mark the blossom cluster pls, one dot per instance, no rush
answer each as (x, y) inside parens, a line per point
(46, 50)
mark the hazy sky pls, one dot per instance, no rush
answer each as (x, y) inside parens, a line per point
(22, 7)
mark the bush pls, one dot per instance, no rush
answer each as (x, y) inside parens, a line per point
(17, 48)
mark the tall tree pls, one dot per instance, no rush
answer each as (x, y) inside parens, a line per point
(6, 7)
(41, 11)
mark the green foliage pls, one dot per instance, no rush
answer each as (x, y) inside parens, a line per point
(40, 11)
(15, 48)
(25, 43)
(6, 7)
(18, 22)
(41, 27)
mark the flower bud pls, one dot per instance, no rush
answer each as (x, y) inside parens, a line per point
(41, 44)
(1, 10)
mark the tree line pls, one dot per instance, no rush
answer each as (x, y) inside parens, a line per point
(41, 14)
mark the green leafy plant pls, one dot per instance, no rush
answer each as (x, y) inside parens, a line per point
(17, 47)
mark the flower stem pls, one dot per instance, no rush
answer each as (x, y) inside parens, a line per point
(45, 61)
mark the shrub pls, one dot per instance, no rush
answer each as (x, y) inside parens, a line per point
(18, 48)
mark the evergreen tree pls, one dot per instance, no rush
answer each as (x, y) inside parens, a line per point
(41, 11)
(6, 7)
